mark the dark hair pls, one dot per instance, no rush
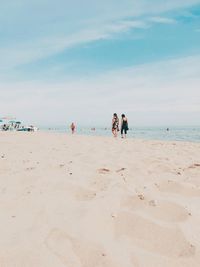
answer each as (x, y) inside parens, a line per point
(115, 114)
(123, 116)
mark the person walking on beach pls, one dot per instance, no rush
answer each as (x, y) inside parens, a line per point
(115, 124)
(73, 127)
(124, 126)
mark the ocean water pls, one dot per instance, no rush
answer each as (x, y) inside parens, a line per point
(149, 133)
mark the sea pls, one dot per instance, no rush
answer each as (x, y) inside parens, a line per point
(187, 133)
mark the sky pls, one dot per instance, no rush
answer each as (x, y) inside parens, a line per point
(64, 61)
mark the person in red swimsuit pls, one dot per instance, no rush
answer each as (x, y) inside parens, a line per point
(73, 127)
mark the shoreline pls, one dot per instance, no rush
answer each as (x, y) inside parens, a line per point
(68, 134)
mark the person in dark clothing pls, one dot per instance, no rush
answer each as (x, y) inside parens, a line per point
(124, 126)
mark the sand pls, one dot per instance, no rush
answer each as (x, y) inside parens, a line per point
(81, 201)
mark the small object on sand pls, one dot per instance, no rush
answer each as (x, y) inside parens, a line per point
(3, 156)
(193, 166)
(141, 197)
(113, 215)
(189, 213)
(70, 173)
(122, 169)
(62, 165)
(196, 165)
(178, 173)
(103, 254)
(103, 170)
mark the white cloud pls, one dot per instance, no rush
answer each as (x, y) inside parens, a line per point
(162, 20)
(46, 46)
(152, 94)
(68, 24)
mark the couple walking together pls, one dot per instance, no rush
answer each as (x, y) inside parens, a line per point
(115, 125)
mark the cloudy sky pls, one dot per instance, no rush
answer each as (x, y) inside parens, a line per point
(63, 61)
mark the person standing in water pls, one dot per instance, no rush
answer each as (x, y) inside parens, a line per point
(115, 124)
(73, 127)
(124, 126)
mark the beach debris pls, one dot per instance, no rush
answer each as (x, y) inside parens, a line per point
(178, 173)
(70, 173)
(62, 165)
(3, 156)
(120, 170)
(113, 215)
(103, 254)
(193, 166)
(141, 197)
(103, 170)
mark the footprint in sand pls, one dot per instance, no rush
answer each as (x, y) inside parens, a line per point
(103, 171)
(184, 189)
(77, 253)
(194, 166)
(161, 210)
(169, 242)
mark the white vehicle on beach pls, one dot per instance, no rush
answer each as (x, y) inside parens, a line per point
(6, 124)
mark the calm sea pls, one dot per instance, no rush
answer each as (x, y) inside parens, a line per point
(156, 133)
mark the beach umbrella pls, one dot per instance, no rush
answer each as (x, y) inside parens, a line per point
(18, 122)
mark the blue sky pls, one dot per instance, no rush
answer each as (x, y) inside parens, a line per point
(60, 61)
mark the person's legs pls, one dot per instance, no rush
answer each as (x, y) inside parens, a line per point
(121, 132)
(125, 131)
(113, 132)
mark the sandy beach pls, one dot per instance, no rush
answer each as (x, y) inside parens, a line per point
(81, 201)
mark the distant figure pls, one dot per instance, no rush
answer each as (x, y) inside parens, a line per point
(73, 127)
(115, 125)
(167, 129)
(124, 126)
